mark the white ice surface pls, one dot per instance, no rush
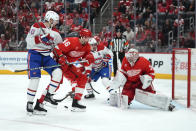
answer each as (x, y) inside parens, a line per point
(98, 117)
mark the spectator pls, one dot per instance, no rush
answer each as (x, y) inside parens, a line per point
(140, 36)
(3, 42)
(165, 29)
(77, 20)
(12, 43)
(119, 26)
(2, 27)
(170, 47)
(189, 42)
(22, 44)
(129, 34)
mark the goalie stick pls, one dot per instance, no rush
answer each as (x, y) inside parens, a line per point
(45, 67)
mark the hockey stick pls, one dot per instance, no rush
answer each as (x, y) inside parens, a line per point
(68, 94)
(91, 84)
(46, 67)
(93, 88)
(34, 16)
(51, 43)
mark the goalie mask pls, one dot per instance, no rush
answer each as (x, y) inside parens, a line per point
(93, 44)
(132, 55)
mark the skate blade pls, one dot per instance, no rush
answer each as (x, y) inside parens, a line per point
(29, 113)
(92, 98)
(49, 104)
(74, 109)
(39, 113)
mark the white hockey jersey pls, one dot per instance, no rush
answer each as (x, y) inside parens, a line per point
(34, 34)
(99, 59)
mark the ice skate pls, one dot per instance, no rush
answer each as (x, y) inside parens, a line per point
(49, 101)
(38, 109)
(29, 108)
(76, 107)
(89, 96)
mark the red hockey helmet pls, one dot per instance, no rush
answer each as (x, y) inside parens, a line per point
(85, 33)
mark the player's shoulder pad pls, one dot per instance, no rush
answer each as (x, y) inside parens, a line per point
(74, 39)
(37, 25)
(143, 59)
(56, 30)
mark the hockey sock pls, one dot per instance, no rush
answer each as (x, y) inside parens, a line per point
(32, 89)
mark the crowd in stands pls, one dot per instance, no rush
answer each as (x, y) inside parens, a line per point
(143, 22)
(15, 23)
(139, 26)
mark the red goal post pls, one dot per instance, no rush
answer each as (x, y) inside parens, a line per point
(184, 75)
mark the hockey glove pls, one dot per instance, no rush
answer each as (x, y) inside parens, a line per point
(87, 73)
(106, 57)
(45, 39)
(90, 59)
(63, 61)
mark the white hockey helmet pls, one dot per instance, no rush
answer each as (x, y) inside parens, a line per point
(93, 44)
(51, 15)
(132, 55)
(92, 41)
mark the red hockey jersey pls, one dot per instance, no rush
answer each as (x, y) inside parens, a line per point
(73, 49)
(141, 67)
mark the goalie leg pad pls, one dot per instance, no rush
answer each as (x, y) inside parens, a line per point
(129, 92)
(151, 99)
(115, 99)
(124, 102)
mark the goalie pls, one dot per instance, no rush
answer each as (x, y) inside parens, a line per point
(136, 76)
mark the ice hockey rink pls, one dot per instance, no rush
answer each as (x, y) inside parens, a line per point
(99, 116)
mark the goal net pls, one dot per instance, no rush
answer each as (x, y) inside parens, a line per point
(184, 76)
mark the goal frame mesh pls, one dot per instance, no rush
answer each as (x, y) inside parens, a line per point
(174, 52)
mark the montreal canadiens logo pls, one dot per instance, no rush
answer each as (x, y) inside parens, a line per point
(132, 73)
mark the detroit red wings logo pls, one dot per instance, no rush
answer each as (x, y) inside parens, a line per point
(132, 73)
(76, 53)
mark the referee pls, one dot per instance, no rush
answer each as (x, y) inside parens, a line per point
(118, 45)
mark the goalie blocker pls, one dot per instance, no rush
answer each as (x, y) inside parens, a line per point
(136, 76)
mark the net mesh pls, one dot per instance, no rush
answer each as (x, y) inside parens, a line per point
(181, 76)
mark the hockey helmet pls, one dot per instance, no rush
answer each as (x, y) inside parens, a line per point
(132, 55)
(51, 15)
(97, 38)
(85, 33)
(92, 41)
(93, 44)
